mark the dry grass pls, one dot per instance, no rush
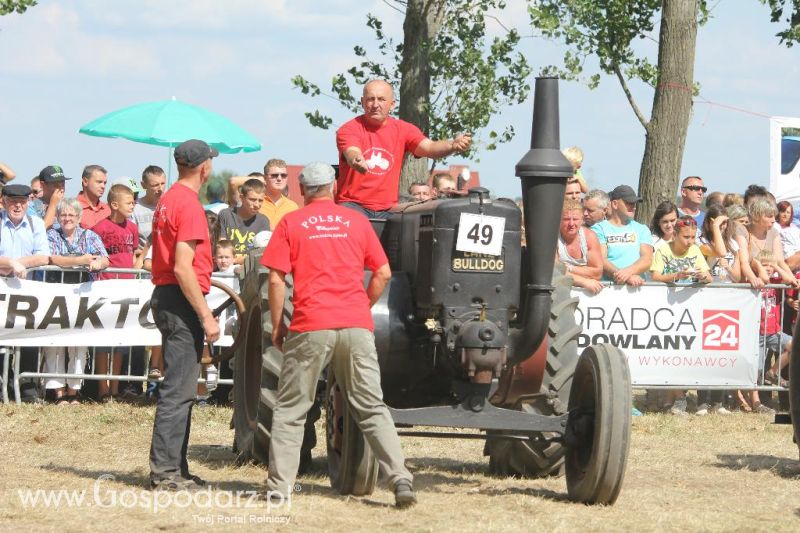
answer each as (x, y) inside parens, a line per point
(713, 473)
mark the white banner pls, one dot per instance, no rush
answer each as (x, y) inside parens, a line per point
(104, 313)
(677, 335)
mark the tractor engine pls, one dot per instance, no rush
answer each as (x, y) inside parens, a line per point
(448, 310)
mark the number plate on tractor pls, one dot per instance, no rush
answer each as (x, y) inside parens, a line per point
(481, 234)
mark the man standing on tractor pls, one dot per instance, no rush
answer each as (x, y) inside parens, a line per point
(320, 333)
(371, 151)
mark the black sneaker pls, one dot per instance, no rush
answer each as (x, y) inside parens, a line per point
(177, 483)
(196, 479)
(28, 393)
(404, 494)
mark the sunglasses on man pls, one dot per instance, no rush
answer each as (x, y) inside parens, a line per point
(695, 188)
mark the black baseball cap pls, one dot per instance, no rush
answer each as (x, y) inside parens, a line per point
(52, 174)
(194, 152)
(625, 193)
(16, 190)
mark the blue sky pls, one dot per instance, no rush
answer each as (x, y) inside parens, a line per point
(64, 63)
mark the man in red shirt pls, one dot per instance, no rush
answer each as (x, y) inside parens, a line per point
(321, 333)
(182, 276)
(93, 180)
(371, 151)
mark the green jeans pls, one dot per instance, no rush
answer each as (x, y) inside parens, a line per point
(355, 364)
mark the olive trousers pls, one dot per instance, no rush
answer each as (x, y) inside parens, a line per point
(354, 361)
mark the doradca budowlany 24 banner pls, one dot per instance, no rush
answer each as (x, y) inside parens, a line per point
(113, 312)
(677, 335)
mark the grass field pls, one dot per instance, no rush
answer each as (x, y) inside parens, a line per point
(716, 474)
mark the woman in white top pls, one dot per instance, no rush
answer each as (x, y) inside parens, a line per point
(579, 248)
(663, 224)
(790, 233)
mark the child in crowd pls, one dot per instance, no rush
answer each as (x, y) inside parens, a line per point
(224, 256)
(120, 237)
(575, 156)
(240, 225)
(680, 261)
(770, 335)
(156, 361)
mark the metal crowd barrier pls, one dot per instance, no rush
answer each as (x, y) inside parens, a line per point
(131, 376)
(128, 375)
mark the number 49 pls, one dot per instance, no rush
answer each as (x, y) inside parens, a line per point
(480, 233)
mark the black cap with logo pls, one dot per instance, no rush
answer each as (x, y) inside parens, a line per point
(52, 174)
(194, 152)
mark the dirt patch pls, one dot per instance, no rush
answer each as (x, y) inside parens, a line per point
(713, 474)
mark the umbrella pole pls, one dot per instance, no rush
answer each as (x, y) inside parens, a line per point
(169, 167)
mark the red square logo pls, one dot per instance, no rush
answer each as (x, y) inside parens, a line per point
(720, 329)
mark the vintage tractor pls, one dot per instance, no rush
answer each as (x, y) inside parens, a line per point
(483, 339)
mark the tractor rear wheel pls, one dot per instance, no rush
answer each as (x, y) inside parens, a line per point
(352, 466)
(599, 426)
(257, 367)
(539, 456)
(794, 386)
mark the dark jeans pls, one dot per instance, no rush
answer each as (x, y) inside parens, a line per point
(369, 213)
(182, 344)
(710, 396)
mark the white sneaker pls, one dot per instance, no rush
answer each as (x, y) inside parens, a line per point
(719, 409)
(702, 410)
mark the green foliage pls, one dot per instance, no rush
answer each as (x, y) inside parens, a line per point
(471, 78)
(791, 10)
(605, 29)
(15, 6)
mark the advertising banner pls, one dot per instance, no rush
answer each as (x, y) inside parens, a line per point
(104, 313)
(677, 335)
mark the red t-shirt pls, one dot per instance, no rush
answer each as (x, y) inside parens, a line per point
(120, 240)
(326, 247)
(383, 147)
(179, 217)
(92, 214)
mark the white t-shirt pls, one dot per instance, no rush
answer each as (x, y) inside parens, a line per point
(790, 238)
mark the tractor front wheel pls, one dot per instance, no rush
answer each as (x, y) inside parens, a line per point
(599, 425)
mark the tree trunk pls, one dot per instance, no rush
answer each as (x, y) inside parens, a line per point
(421, 25)
(672, 105)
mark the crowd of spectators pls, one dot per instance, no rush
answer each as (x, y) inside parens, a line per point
(703, 238)
(100, 228)
(714, 237)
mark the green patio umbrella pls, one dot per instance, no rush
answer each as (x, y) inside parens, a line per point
(169, 123)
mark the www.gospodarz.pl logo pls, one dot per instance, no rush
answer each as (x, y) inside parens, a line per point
(103, 496)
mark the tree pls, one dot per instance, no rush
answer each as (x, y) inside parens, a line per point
(607, 29)
(222, 177)
(450, 80)
(15, 6)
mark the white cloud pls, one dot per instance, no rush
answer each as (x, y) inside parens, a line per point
(55, 44)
